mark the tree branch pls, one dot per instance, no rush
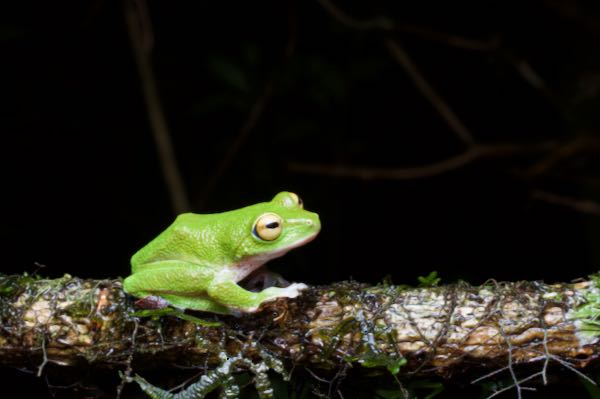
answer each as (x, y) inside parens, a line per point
(434, 331)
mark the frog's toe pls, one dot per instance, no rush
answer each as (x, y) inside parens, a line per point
(239, 313)
(151, 302)
(294, 290)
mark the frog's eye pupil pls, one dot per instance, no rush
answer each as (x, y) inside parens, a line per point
(267, 227)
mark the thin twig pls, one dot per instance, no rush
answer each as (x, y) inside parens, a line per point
(569, 366)
(255, 113)
(529, 74)
(573, 369)
(187, 382)
(490, 374)
(386, 24)
(405, 61)
(140, 34)
(584, 206)
(338, 14)
(437, 168)
(561, 154)
(510, 366)
(127, 374)
(243, 133)
(545, 342)
(498, 392)
(382, 23)
(45, 358)
(376, 173)
(427, 90)
(513, 375)
(451, 39)
(316, 377)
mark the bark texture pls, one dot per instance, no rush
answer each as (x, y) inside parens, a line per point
(424, 331)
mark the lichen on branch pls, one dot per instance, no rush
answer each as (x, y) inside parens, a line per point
(403, 332)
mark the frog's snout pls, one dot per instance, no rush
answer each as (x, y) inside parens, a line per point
(309, 225)
(314, 223)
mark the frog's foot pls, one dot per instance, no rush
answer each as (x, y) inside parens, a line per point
(156, 313)
(156, 306)
(273, 293)
(291, 291)
(151, 302)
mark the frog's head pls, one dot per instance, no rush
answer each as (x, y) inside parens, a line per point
(273, 228)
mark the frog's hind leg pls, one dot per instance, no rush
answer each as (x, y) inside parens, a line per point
(180, 283)
(195, 303)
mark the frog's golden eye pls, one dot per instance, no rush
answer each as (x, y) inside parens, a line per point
(297, 200)
(268, 227)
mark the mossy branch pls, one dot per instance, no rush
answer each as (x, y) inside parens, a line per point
(428, 331)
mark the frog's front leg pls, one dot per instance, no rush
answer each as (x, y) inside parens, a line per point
(231, 295)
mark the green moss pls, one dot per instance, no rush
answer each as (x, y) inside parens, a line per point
(380, 360)
(431, 280)
(587, 312)
(11, 285)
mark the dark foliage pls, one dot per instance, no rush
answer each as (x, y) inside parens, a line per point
(302, 96)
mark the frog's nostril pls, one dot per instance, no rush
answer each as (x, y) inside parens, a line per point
(314, 224)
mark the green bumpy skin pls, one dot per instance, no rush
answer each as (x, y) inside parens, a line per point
(198, 260)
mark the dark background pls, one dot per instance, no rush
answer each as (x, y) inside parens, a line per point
(83, 189)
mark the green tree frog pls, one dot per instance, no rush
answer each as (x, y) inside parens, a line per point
(197, 261)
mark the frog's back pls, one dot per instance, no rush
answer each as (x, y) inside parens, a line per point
(184, 240)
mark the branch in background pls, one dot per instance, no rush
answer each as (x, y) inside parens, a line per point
(561, 154)
(404, 60)
(377, 173)
(386, 24)
(140, 34)
(523, 67)
(576, 204)
(256, 111)
(529, 74)
(440, 105)
(474, 151)
(450, 39)
(243, 133)
(379, 22)
(472, 154)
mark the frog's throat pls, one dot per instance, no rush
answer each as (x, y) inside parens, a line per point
(249, 264)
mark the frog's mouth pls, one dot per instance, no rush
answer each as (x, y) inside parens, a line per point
(250, 263)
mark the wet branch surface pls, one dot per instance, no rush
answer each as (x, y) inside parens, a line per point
(435, 331)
